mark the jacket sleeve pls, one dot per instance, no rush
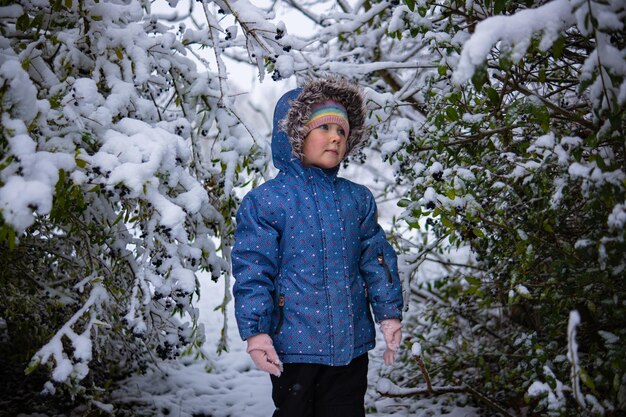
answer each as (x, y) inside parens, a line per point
(255, 266)
(379, 266)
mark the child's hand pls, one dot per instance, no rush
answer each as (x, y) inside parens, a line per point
(263, 354)
(392, 331)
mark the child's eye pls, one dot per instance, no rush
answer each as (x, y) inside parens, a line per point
(324, 127)
(341, 132)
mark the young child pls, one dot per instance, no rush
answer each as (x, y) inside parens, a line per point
(310, 260)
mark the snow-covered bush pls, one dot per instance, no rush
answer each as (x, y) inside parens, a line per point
(520, 156)
(119, 160)
(504, 123)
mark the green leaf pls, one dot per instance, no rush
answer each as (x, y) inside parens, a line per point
(414, 225)
(587, 380)
(80, 163)
(542, 117)
(479, 233)
(119, 217)
(499, 6)
(473, 281)
(23, 22)
(505, 62)
(547, 227)
(447, 222)
(452, 114)
(404, 202)
(119, 54)
(68, 4)
(4, 231)
(557, 47)
(494, 97)
(11, 238)
(480, 77)
(32, 366)
(410, 4)
(442, 70)
(7, 161)
(454, 98)
(37, 21)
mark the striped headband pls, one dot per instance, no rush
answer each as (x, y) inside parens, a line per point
(328, 112)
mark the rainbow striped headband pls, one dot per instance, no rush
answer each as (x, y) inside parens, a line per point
(328, 112)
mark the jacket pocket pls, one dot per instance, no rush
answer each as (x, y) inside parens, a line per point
(281, 313)
(381, 261)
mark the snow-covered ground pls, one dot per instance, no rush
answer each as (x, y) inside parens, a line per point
(228, 385)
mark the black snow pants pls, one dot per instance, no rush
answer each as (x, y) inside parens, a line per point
(310, 390)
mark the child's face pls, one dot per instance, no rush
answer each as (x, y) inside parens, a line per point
(324, 146)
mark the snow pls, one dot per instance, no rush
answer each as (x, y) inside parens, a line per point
(64, 368)
(430, 195)
(572, 356)
(20, 92)
(147, 158)
(416, 349)
(554, 398)
(18, 206)
(12, 11)
(617, 218)
(228, 384)
(516, 31)
(30, 191)
(609, 337)
(522, 290)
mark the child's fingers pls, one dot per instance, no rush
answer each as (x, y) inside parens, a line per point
(395, 340)
(263, 362)
(272, 369)
(273, 358)
(389, 357)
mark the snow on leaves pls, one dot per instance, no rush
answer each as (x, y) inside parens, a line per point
(121, 153)
(504, 125)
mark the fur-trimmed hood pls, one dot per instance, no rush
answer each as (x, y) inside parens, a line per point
(294, 110)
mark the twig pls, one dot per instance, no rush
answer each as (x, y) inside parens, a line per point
(389, 389)
(304, 11)
(422, 366)
(469, 139)
(572, 116)
(421, 391)
(487, 401)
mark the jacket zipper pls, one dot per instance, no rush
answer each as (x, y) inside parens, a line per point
(281, 313)
(381, 261)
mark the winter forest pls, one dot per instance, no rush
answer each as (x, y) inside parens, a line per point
(131, 129)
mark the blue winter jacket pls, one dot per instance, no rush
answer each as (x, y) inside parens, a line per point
(310, 259)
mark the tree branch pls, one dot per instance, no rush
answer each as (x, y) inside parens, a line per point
(469, 139)
(389, 389)
(572, 116)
